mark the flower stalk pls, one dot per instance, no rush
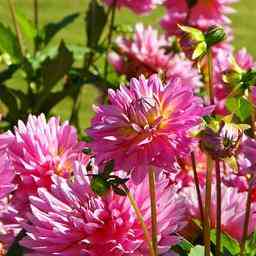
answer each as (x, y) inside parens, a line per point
(247, 216)
(16, 26)
(110, 35)
(210, 76)
(218, 209)
(141, 221)
(152, 189)
(207, 210)
(196, 180)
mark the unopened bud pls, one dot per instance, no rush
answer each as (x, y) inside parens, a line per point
(214, 36)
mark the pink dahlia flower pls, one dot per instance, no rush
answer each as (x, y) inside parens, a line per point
(38, 149)
(6, 176)
(139, 7)
(143, 54)
(71, 220)
(202, 15)
(146, 123)
(233, 210)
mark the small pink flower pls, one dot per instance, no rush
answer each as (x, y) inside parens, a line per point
(233, 210)
(146, 123)
(71, 220)
(143, 54)
(139, 7)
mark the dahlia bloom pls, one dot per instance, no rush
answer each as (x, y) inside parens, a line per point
(71, 220)
(143, 54)
(233, 210)
(203, 15)
(6, 177)
(139, 7)
(146, 123)
(38, 149)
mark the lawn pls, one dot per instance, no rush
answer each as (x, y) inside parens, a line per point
(244, 24)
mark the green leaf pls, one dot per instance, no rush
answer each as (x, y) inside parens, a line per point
(26, 26)
(200, 51)
(51, 29)
(9, 44)
(244, 109)
(53, 69)
(250, 247)
(227, 243)
(231, 104)
(95, 20)
(8, 73)
(197, 251)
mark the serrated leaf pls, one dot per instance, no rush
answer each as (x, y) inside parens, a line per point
(227, 243)
(54, 69)
(26, 26)
(231, 104)
(51, 29)
(9, 44)
(244, 109)
(95, 20)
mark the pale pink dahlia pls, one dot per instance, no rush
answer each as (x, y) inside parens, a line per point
(233, 210)
(38, 149)
(139, 7)
(147, 123)
(143, 54)
(71, 220)
(181, 67)
(204, 14)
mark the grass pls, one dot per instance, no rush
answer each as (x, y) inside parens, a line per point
(243, 22)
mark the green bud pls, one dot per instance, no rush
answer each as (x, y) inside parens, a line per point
(214, 35)
(191, 3)
(99, 185)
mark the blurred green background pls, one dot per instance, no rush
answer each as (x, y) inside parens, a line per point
(244, 23)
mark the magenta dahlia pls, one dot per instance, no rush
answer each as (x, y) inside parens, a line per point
(38, 149)
(139, 7)
(233, 210)
(71, 220)
(147, 123)
(202, 15)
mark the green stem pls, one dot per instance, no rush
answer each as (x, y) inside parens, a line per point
(110, 35)
(196, 179)
(207, 210)
(218, 209)
(141, 221)
(210, 76)
(16, 26)
(152, 190)
(36, 22)
(247, 216)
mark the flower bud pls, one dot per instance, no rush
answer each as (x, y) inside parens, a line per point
(223, 143)
(214, 36)
(193, 42)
